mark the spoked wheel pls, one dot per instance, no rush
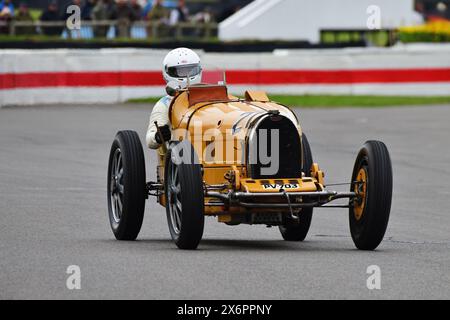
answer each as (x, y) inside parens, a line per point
(126, 185)
(184, 197)
(116, 186)
(372, 183)
(297, 230)
(174, 198)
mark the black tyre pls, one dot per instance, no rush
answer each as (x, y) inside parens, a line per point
(372, 181)
(297, 230)
(183, 185)
(126, 185)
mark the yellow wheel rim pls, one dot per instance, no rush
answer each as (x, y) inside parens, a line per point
(360, 189)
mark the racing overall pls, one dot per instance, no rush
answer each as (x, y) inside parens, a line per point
(160, 114)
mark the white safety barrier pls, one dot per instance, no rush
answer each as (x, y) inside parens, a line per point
(116, 75)
(304, 19)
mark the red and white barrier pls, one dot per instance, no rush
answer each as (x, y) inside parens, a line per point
(116, 75)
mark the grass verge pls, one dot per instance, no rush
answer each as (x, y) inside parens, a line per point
(338, 101)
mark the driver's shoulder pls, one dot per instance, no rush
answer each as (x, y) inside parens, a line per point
(164, 101)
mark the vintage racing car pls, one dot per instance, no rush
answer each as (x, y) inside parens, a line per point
(220, 163)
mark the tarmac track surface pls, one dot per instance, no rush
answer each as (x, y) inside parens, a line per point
(53, 214)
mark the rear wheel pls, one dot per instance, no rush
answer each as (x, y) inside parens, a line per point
(126, 186)
(183, 184)
(297, 230)
(372, 182)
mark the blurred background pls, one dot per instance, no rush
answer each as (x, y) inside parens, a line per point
(147, 21)
(286, 47)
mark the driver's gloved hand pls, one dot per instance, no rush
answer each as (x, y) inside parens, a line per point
(166, 133)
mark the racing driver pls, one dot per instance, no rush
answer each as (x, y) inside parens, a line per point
(181, 67)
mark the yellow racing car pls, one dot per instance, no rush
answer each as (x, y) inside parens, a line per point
(244, 161)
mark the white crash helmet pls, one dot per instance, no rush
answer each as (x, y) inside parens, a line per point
(181, 63)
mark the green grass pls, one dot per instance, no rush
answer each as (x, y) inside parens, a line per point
(357, 101)
(339, 101)
(144, 100)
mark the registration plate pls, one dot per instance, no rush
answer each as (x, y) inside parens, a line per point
(276, 186)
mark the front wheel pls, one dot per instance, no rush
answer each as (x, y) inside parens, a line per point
(126, 185)
(183, 184)
(372, 183)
